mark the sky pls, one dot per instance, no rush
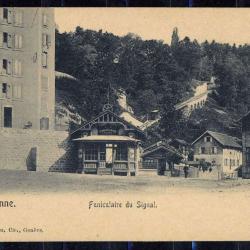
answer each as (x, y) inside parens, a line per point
(223, 25)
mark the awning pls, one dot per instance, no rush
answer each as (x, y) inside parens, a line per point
(107, 138)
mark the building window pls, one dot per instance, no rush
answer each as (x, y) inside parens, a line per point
(121, 152)
(207, 139)
(45, 59)
(5, 14)
(4, 88)
(233, 162)
(6, 40)
(202, 150)
(214, 150)
(225, 162)
(7, 117)
(230, 163)
(103, 152)
(5, 66)
(91, 152)
(44, 123)
(46, 41)
(5, 37)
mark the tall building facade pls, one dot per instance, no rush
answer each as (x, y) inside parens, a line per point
(27, 68)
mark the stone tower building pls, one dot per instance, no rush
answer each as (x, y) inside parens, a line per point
(27, 68)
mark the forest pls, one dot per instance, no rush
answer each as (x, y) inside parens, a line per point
(155, 75)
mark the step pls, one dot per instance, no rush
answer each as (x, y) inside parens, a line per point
(104, 171)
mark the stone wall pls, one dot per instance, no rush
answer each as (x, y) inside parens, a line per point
(39, 150)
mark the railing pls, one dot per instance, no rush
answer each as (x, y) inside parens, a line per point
(118, 166)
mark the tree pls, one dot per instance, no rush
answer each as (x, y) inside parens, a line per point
(175, 37)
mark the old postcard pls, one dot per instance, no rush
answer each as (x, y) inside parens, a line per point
(124, 124)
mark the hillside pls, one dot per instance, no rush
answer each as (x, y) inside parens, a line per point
(155, 76)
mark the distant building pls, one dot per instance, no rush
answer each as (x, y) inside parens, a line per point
(246, 145)
(152, 118)
(201, 89)
(218, 149)
(108, 145)
(182, 146)
(160, 156)
(27, 68)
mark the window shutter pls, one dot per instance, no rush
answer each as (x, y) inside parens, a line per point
(1, 14)
(9, 41)
(9, 16)
(15, 67)
(9, 91)
(199, 150)
(19, 91)
(1, 90)
(1, 67)
(15, 39)
(215, 150)
(20, 41)
(44, 40)
(20, 68)
(20, 19)
(1, 39)
(48, 40)
(15, 17)
(9, 68)
(44, 59)
(15, 91)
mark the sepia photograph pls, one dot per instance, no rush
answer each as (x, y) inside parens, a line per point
(133, 115)
(88, 101)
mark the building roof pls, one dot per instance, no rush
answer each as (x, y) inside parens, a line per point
(224, 139)
(180, 141)
(161, 145)
(115, 117)
(117, 138)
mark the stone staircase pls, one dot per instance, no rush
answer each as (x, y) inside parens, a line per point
(104, 171)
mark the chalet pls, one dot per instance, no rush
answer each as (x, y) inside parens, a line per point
(246, 145)
(218, 149)
(161, 157)
(108, 145)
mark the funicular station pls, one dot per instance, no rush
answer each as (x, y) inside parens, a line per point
(108, 145)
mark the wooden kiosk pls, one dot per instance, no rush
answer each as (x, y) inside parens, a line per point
(108, 145)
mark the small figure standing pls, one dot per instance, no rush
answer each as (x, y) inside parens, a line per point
(185, 171)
